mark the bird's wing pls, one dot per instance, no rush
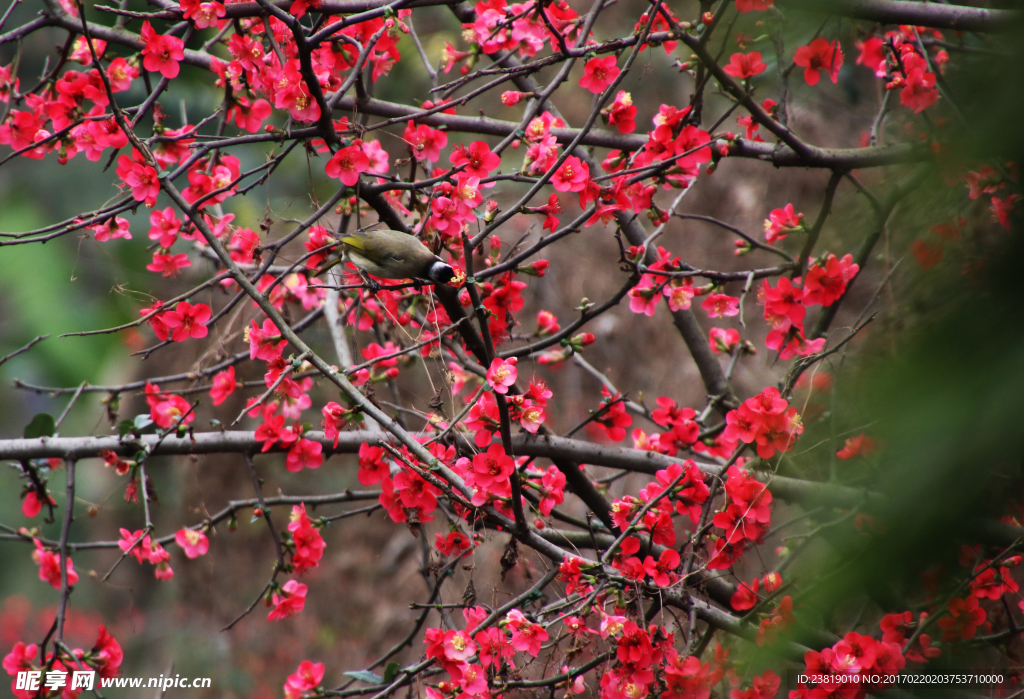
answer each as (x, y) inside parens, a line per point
(374, 249)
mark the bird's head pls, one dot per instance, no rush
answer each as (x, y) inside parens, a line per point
(441, 272)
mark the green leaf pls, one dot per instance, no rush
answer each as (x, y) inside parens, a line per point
(391, 671)
(124, 427)
(42, 425)
(366, 676)
(142, 421)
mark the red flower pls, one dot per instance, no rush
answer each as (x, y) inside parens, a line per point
(121, 73)
(502, 374)
(33, 503)
(745, 65)
(478, 159)
(766, 420)
(306, 678)
(661, 571)
(511, 98)
(1002, 208)
(569, 572)
(107, 654)
(854, 446)
(224, 384)
(965, 616)
(599, 73)
(187, 321)
(49, 566)
(783, 305)
(193, 541)
(426, 143)
(613, 418)
(622, 113)
(373, 467)
(309, 544)
(826, 279)
(161, 52)
(164, 226)
(142, 178)
(526, 635)
(492, 468)
(782, 221)
(21, 130)
(249, 117)
(289, 601)
(203, 14)
(820, 54)
(80, 52)
(346, 165)
(572, 176)
(753, 5)
(305, 454)
(718, 305)
(723, 340)
(453, 544)
(265, 343)
(872, 55)
(919, 91)
(168, 410)
(745, 596)
(20, 658)
(116, 227)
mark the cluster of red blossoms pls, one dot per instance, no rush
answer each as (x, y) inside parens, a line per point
(493, 647)
(478, 655)
(145, 549)
(105, 657)
(785, 304)
(745, 519)
(767, 420)
(901, 58)
(855, 656)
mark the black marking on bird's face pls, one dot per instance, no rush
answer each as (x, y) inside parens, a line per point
(440, 272)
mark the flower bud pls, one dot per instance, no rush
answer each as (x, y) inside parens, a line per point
(537, 268)
(708, 18)
(512, 98)
(553, 357)
(581, 341)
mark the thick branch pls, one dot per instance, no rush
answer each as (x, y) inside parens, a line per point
(927, 14)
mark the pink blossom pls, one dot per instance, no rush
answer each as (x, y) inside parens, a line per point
(346, 165)
(193, 541)
(290, 600)
(599, 73)
(718, 305)
(502, 374)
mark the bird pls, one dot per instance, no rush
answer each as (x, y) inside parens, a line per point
(392, 254)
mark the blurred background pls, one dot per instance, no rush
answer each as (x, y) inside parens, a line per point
(936, 378)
